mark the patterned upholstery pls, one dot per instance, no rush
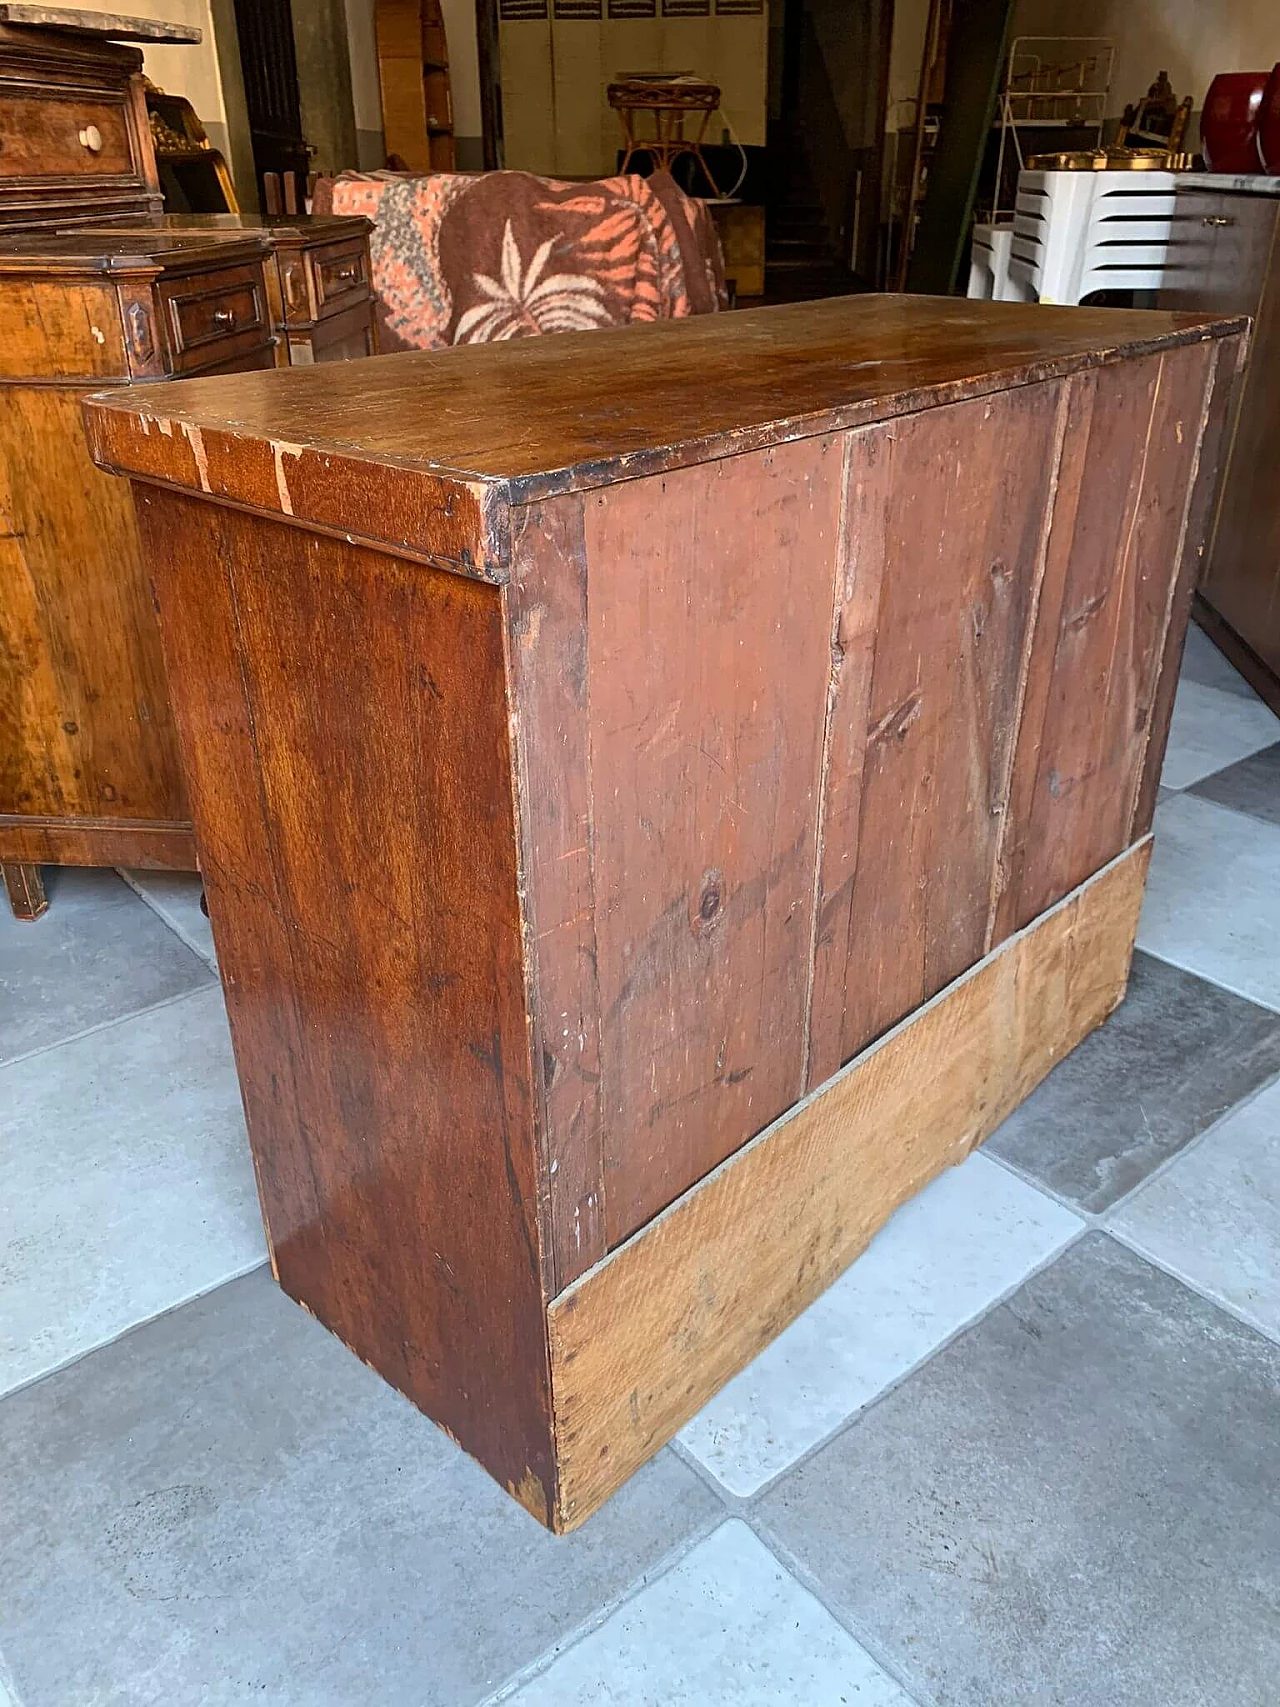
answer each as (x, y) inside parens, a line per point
(464, 258)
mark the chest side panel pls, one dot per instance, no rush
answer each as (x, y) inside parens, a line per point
(344, 726)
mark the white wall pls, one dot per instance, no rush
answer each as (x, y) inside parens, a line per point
(362, 39)
(1190, 39)
(188, 71)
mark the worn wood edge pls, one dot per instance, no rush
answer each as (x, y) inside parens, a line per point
(497, 494)
(648, 1335)
(1177, 605)
(282, 482)
(558, 1267)
(148, 845)
(638, 464)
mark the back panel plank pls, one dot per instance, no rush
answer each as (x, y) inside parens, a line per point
(1114, 547)
(947, 515)
(707, 692)
(343, 717)
(644, 1339)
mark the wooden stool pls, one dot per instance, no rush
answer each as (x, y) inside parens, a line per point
(668, 99)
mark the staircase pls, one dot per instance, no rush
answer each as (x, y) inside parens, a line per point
(801, 260)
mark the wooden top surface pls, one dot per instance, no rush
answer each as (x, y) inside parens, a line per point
(114, 26)
(116, 250)
(306, 227)
(578, 409)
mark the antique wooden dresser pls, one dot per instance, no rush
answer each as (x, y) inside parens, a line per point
(319, 282)
(663, 794)
(89, 767)
(75, 144)
(89, 772)
(1224, 258)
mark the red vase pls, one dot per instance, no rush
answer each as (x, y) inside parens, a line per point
(1229, 122)
(1269, 124)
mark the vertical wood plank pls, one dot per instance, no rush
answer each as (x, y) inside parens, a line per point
(1200, 511)
(343, 717)
(546, 606)
(1113, 550)
(954, 501)
(710, 599)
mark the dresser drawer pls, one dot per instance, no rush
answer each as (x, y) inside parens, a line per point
(205, 310)
(64, 136)
(339, 276)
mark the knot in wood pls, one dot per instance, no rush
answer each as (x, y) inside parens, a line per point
(708, 910)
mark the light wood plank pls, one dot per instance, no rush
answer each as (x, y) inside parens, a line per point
(649, 1334)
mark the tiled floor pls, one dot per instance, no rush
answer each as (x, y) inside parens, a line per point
(1023, 1454)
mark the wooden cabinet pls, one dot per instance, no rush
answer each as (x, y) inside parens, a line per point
(664, 794)
(1225, 257)
(75, 144)
(319, 281)
(89, 765)
(89, 771)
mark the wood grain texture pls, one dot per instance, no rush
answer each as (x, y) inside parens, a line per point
(99, 841)
(646, 1338)
(538, 416)
(371, 961)
(1117, 531)
(705, 758)
(947, 524)
(85, 727)
(1205, 482)
(546, 608)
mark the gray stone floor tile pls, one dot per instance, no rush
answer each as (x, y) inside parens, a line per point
(1212, 728)
(942, 1260)
(1252, 785)
(175, 896)
(725, 1627)
(226, 1507)
(1214, 1217)
(126, 1183)
(1074, 1504)
(1213, 896)
(1202, 662)
(1172, 1059)
(97, 954)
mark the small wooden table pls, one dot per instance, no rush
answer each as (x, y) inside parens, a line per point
(670, 100)
(646, 843)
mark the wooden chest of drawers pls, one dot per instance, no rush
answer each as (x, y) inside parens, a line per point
(74, 138)
(89, 767)
(664, 794)
(89, 772)
(318, 282)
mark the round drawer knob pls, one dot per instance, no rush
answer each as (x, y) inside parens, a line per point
(91, 138)
(224, 317)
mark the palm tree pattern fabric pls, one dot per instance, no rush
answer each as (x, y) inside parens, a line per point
(468, 259)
